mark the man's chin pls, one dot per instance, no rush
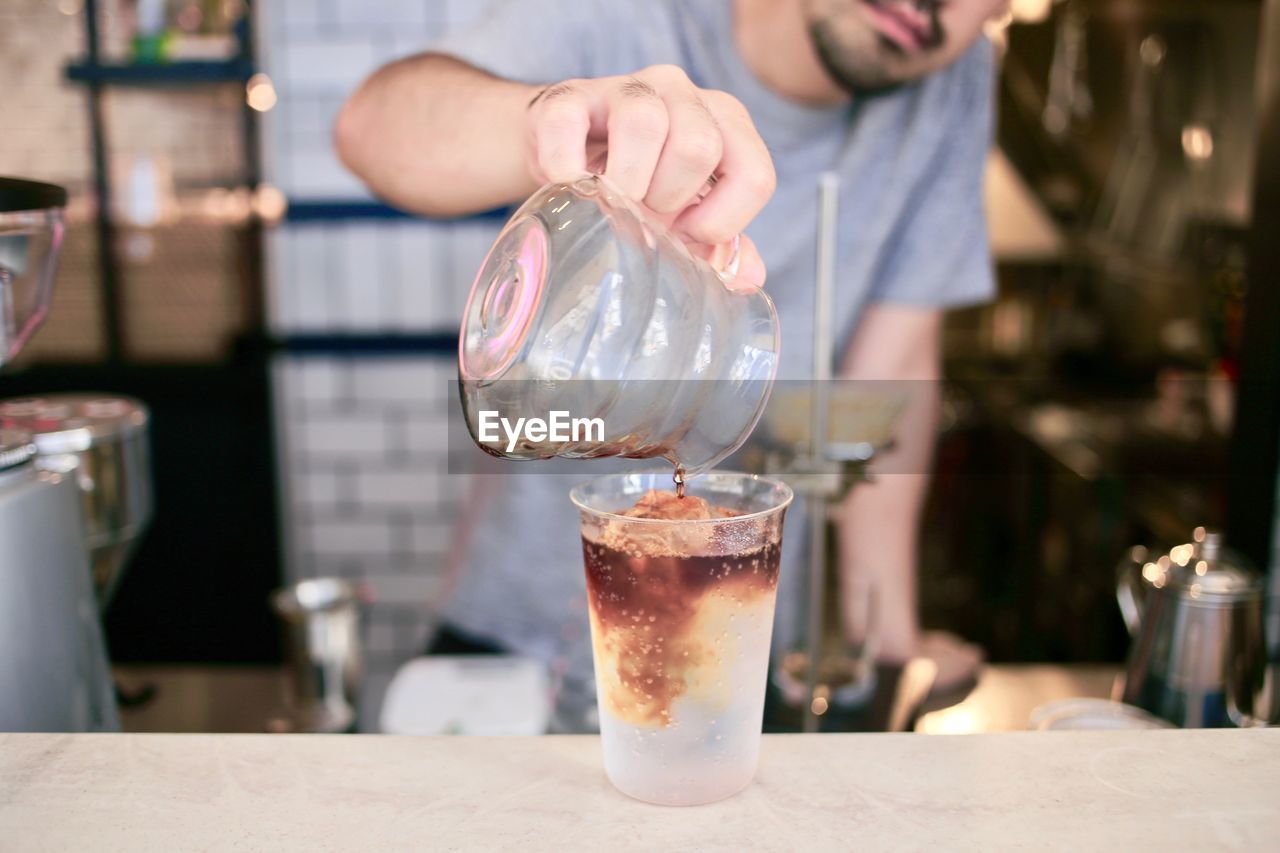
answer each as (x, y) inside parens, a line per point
(873, 78)
(876, 67)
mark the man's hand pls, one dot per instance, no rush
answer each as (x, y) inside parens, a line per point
(473, 141)
(691, 155)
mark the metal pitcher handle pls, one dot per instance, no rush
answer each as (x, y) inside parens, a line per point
(1261, 699)
(1131, 596)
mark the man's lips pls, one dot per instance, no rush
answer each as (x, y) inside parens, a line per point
(901, 23)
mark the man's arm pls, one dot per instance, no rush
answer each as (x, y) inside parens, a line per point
(434, 135)
(437, 136)
(879, 522)
(938, 258)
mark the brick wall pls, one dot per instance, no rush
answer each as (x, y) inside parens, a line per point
(361, 439)
(181, 293)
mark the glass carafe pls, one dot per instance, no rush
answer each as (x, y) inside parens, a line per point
(588, 306)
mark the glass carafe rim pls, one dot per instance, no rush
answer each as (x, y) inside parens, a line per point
(786, 496)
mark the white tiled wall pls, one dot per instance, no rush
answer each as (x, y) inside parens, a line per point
(316, 52)
(362, 439)
(382, 276)
(366, 487)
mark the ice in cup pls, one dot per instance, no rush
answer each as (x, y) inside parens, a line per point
(681, 594)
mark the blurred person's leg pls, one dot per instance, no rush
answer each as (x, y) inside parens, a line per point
(879, 523)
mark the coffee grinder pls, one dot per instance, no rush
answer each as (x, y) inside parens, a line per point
(54, 674)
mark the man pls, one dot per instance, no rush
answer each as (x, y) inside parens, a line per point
(895, 95)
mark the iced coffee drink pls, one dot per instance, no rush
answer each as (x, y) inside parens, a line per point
(681, 593)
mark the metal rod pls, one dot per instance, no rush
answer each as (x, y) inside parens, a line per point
(823, 299)
(816, 504)
(254, 311)
(108, 267)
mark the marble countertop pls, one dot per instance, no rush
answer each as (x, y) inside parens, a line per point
(1068, 790)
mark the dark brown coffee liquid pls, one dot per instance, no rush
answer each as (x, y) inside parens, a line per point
(645, 608)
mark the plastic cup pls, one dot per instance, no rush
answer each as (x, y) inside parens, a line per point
(681, 618)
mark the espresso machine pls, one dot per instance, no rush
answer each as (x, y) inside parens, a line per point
(54, 673)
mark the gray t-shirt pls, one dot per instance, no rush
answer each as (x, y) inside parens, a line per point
(912, 231)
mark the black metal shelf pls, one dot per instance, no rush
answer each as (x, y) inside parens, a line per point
(97, 75)
(337, 210)
(439, 343)
(167, 74)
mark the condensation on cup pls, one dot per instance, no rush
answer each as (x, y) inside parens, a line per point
(681, 617)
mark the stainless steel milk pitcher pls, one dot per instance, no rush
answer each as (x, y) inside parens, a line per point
(1196, 617)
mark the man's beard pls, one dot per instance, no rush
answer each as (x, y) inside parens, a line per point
(856, 61)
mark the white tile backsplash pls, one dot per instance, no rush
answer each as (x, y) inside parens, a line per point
(413, 490)
(359, 283)
(413, 15)
(317, 382)
(471, 245)
(361, 436)
(388, 277)
(358, 538)
(424, 260)
(308, 120)
(360, 503)
(362, 439)
(278, 267)
(316, 489)
(317, 174)
(380, 639)
(417, 384)
(431, 537)
(305, 294)
(426, 433)
(405, 588)
(461, 13)
(315, 64)
(294, 18)
(408, 44)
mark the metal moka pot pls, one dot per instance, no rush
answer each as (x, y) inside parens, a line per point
(1196, 614)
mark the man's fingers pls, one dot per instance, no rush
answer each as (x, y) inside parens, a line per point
(745, 179)
(560, 132)
(691, 154)
(747, 271)
(665, 138)
(637, 127)
(750, 266)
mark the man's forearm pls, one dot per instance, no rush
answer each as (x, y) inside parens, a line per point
(436, 136)
(879, 522)
(879, 525)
